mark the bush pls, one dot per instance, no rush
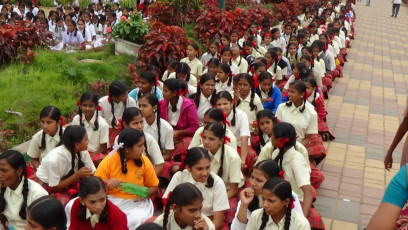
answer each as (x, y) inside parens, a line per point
(175, 12)
(48, 3)
(83, 4)
(132, 29)
(128, 3)
(213, 23)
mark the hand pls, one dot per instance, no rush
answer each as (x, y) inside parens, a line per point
(113, 183)
(388, 161)
(84, 172)
(246, 196)
(176, 133)
(200, 224)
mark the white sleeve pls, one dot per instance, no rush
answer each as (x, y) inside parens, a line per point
(220, 202)
(34, 148)
(86, 159)
(154, 150)
(244, 125)
(104, 131)
(290, 80)
(196, 140)
(175, 180)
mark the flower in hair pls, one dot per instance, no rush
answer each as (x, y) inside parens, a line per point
(78, 103)
(115, 148)
(225, 119)
(165, 201)
(227, 139)
(253, 44)
(256, 83)
(255, 123)
(180, 92)
(282, 174)
(282, 141)
(62, 121)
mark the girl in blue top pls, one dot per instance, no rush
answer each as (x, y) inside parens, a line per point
(147, 84)
(269, 93)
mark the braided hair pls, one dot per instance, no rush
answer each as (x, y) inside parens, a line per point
(89, 186)
(261, 114)
(74, 24)
(223, 50)
(249, 79)
(262, 77)
(116, 89)
(184, 194)
(227, 70)
(218, 131)
(194, 155)
(287, 52)
(153, 101)
(73, 135)
(16, 160)
(227, 95)
(274, 57)
(301, 88)
(284, 130)
(129, 137)
(282, 189)
(206, 77)
(174, 85)
(89, 96)
(53, 113)
(150, 77)
(84, 31)
(59, 18)
(183, 68)
(48, 212)
(313, 83)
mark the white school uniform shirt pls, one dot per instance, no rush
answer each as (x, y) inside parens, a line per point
(332, 62)
(72, 39)
(215, 198)
(267, 150)
(35, 11)
(280, 42)
(166, 133)
(234, 68)
(241, 63)
(297, 221)
(304, 122)
(91, 28)
(331, 49)
(290, 80)
(52, 25)
(14, 200)
(336, 46)
(322, 63)
(192, 81)
(206, 57)
(318, 73)
(241, 128)
(256, 53)
(87, 37)
(95, 137)
(313, 37)
(58, 32)
(203, 106)
(196, 67)
(118, 109)
(152, 148)
(20, 13)
(34, 150)
(57, 164)
(244, 106)
(197, 140)
(98, 28)
(219, 86)
(172, 224)
(173, 117)
(278, 75)
(231, 166)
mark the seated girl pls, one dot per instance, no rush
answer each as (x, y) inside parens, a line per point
(205, 97)
(46, 212)
(269, 93)
(147, 84)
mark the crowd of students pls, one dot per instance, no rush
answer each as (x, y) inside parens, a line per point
(229, 139)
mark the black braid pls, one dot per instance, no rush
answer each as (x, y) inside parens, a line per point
(174, 107)
(265, 219)
(158, 126)
(139, 94)
(96, 120)
(80, 117)
(43, 143)
(145, 145)
(113, 122)
(261, 139)
(276, 66)
(197, 97)
(240, 60)
(314, 98)
(167, 211)
(239, 102)
(123, 160)
(258, 91)
(2, 200)
(23, 209)
(221, 169)
(213, 100)
(304, 104)
(233, 115)
(229, 80)
(279, 159)
(251, 103)
(254, 205)
(288, 215)
(60, 135)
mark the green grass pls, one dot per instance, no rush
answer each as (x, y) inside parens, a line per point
(53, 78)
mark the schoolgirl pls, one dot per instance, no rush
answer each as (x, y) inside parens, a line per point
(292, 55)
(147, 84)
(211, 53)
(233, 37)
(205, 97)
(180, 111)
(300, 72)
(59, 29)
(287, 33)
(129, 164)
(88, 24)
(314, 36)
(266, 41)
(226, 56)
(197, 172)
(225, 40)
(97, 25)
(113, 106)
(225, 162)
(256, 46)
(269, 93)
(196, 67)
(224, 78)
(116, 10)
(277, 40)
(72, 38)
(43, 24)
(85, 33)
(171, 68)
(183, 73)
(46, 212)
(273, 67)
(212, 66)
(65, 165)
(283, 62)
(277, 209)
(318, 73)
(237, 59)
(92, 210)
(96, 127)
(250, 197)
(251, 49)
(17, 192)
(335, 70)
(320, 56)
(52, 16)
(317, 101)
(183, 210)
(47, 138)
(253, 28)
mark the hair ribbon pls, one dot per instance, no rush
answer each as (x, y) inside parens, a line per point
(225, 119)
(227, 139)
(78, 103)
(282, 174)
(282, 141)
(115, 148)
(165, 201)
(62, 121)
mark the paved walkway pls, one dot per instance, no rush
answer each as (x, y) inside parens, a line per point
(364, 112)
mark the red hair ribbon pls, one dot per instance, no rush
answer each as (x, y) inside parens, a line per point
(307, 95)
(62, 121)
(267, 34)
(165, 201)
(251, 69)
(282, 174)
(181, 92)
(227, 139)
(225, 119)
(253, 32)
(282, 141)
(78, 103)
(297, 77)
(119, 124)
(255, 123)
(109, 97)
(206, 64)
(256, 83)
(253, 44)
(292, 204)
(99, 108)
(277, 120)
(183, 159)
(267, 66)
(201, 135)
(156, 81)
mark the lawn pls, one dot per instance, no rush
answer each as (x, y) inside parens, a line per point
(53, 78)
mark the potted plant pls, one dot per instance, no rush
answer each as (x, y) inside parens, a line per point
(129, 32)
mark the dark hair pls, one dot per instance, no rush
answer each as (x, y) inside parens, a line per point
(248, 78)
(211, 43)
(223, 50)
(16, 160)
(227, 95)
(283, 190)
(73, 134)
(226, 69)
(262, 77)
(116, 89)
(174, 85)
(184, 194)
(284, 130)
(274, 56)
(173, 63)
(313, 83)
(304, 72)
(88, 186)
(193, 156)
(48, 212)
(206, 77)
(219, 131)
(287, 52)
(153, 101)
(150, 77)
(91, 97)
(215, 114)
(72, 21)
(83, 32)
(261, 114)
(150, 226)
(53, 113)
(196, 48)
(59, 18)
(183, 68)
(129, 137)
(301, 87)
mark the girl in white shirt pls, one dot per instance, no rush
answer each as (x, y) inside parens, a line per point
(59, 29)
(272, 66)
(196, 67)
(224, 78)
(17, 192)
(72, 38)
(98, 26)
(88, 24)
(183, 73)
(197, 171)
(226, 56)
(238, 59)
(205, 97)
(211, 53)
(85, 33)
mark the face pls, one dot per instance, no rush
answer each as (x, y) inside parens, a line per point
(323, 39)
(95, 202)
(257, 181)
(226, 57)
(136, 151)
(125, 12)
(268, 58)
(168, 94)
(213, 69)
(224, 42)
(83, 144)
(49, 126)
(80, 25)
(200, 171)
(88, 108)
(225, 105)
(207, 119)
(32, 224)
(9, 177)
(267, 39)
(213, 49)
(123, 97)
(235, 50)
(294, 95)
(144, 86)
(253, 28)
(246, 35)
(288, 29)
(309, 88)
(211, 142)
(234, 38)
(276, 35)
(244, 87)
(70, 27)
(221, 75)
(41, 15)
(266, 125)
(260, 70)
(266, 85)
(306, 62)
(188, 214)
(146, 108)
(85, 17)
(54, 16)
(305, 51)
(316, 51)
(272, 204)
(135, 123)
(43, 24)
(292, 50)
(191, 52)
(60, 23)
(293, 40)
(115, 7)
(208, 88)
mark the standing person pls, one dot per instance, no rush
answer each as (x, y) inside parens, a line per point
(395, 7)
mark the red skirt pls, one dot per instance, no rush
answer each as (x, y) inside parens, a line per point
(327, 81)
(230, 214)
(323, 127)
(30, 171)
(316, 149)
(315, 219)
(249, 160)
(316, 177)
(180, 149)
(64, 196)
(338, 68)
(112, 135)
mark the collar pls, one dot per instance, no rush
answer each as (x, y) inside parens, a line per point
(18, 191)
(280, 223)
(179, 103)
(293, 107)
(247, 99)
(311, 97)
(154, 125)
(173, 223)
(216, 156)
(94, 218)
(203, 98)
(91, 122)
(56, 136)
(191, 180)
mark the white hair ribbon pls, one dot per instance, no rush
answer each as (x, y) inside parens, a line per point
(115, 148)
